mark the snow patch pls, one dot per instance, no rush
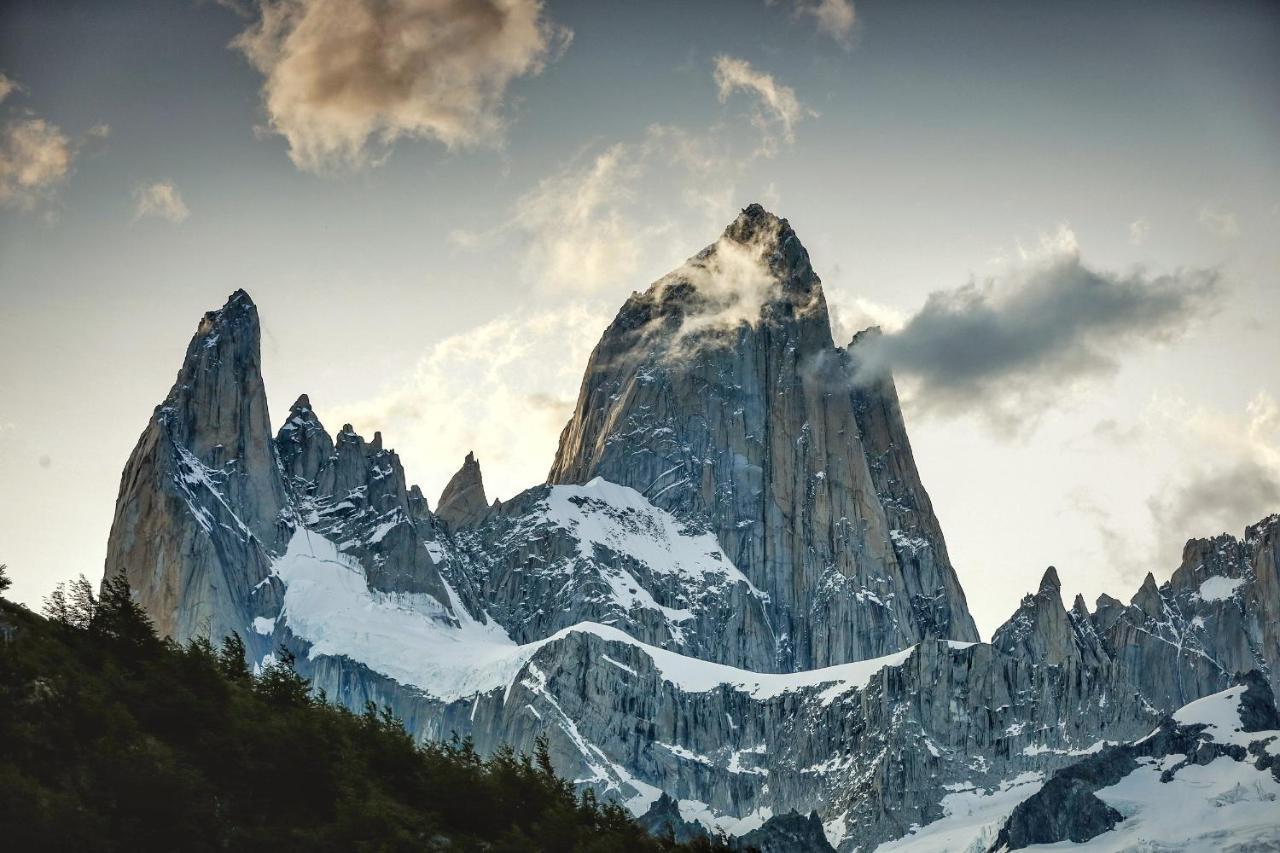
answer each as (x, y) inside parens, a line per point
(1219, 588)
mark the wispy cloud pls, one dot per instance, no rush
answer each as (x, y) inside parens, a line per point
(504, 389)
(1223, 223)
(1009, 348)
(36, 156)
(345, 79)
(7, 87)
(835, 18)
(1139, 230)
(160, 200)
(588, 226)
(777, 111)
(35, 159)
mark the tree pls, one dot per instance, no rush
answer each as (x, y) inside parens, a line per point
(231, 658)
(118, 617)
(281, 684)
(5, 582)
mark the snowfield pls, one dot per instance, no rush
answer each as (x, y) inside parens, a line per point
(417, 641)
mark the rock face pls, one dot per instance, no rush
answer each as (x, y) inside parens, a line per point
(719, 396)
(1215, 617)
(1042, 630)
(1232, 728)
(200, 514)
(462, 503)
(730, 608)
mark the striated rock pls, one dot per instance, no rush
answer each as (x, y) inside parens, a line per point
(1217, 616)
(1043, 631)
(462, 503)
(199, 515)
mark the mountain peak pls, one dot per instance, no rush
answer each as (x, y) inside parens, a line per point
(756, 223)
(462, 503)
(1050, 580)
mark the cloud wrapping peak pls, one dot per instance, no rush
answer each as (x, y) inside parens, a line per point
(1008, 349)
(777, 105)
(347, 78)
(161, 200)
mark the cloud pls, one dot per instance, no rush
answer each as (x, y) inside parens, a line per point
(589, 226)
(577, 234)
(7, 87)
(852, 314)
(1220, 222)
(345, 79)
(161, 200)
(777, 107)
(1231, 477)
(35, 158)
(835, 18)
(1009, 348)
(1139, 230)
(504, 389)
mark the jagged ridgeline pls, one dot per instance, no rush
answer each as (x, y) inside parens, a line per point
(732, 589)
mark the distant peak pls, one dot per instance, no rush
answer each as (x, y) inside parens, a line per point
(463, 502)
(1050, 580)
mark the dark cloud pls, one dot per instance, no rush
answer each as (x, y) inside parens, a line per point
(1006, 350)
(1214, 501)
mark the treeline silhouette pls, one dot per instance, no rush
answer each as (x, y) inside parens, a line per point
(112, 739)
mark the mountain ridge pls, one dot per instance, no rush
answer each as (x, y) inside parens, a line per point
(725, 499)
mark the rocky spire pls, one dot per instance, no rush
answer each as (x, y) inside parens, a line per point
(719, 395)
(200, 502)
(303, 444)
(463, 503)
(1043, 631)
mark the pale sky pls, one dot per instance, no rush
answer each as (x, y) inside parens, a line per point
(437, 228)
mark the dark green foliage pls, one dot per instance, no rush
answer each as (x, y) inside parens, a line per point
(111, 739)
(5, 580)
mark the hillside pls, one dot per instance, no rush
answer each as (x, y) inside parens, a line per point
(116, 740)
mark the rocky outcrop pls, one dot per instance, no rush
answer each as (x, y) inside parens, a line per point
(1043, 631)
(555, 556)
(788, 833)
(462, 503)
(1066, 808)
(1217, 616)
(200, 512)
(719, 395)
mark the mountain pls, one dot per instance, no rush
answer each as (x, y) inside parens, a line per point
(719, 396)
(731, 602)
